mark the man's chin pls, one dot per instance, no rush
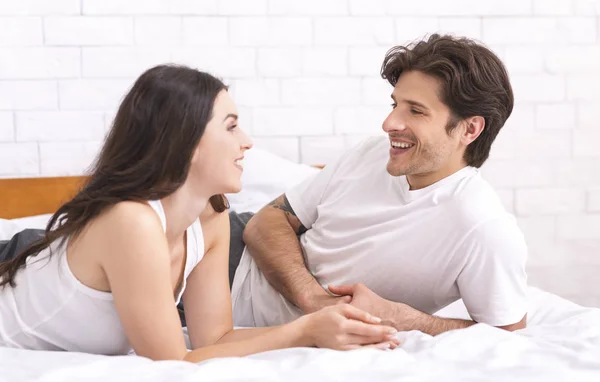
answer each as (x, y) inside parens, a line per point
(395, 170)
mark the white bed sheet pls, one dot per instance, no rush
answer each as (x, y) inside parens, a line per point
(562, 342)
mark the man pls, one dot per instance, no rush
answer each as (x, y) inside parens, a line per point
(402, 225)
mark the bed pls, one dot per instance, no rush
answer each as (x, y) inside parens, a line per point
(561, 342)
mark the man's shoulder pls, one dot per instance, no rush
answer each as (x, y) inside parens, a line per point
(476, 202)
(483, 220)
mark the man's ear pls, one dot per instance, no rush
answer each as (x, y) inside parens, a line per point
(473, 128)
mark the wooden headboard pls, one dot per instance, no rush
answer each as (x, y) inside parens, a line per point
(23, 197)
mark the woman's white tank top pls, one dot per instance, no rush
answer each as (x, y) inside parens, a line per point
(49, 309)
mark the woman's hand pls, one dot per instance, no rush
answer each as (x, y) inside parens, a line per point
(345, 327)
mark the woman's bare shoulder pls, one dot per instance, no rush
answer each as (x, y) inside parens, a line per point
(127, 224)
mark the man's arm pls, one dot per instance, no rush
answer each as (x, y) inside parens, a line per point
(405, 318)
(272, 239)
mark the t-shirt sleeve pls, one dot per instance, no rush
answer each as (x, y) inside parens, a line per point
(493, 282)
(306, 196)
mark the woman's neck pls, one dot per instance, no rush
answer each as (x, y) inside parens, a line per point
(182, 208)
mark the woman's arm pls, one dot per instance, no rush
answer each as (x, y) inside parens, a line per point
(207, 297)
(137, 265)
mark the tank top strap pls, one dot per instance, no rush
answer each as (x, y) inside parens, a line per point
(157, 206)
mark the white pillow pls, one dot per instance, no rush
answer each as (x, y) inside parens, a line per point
(9, 227)
(37, 221)
(265, 177)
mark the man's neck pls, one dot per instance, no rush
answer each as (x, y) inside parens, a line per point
(419, 181)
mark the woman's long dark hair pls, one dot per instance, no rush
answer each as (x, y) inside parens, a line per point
(146, 155)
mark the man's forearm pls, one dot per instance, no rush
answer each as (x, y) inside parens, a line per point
(405, 318)
(273, 244)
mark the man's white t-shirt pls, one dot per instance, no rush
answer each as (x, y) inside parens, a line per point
(425, 248)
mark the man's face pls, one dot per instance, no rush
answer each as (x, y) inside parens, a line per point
(420, 146)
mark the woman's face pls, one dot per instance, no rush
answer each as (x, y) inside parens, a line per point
(217, 162)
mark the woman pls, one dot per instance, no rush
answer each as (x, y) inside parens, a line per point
(148, 230)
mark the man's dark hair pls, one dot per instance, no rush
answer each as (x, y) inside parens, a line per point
(474, 82)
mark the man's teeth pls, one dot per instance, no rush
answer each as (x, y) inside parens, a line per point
(239, 162)
(402, 145)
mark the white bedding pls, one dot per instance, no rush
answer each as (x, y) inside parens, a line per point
(561, 343)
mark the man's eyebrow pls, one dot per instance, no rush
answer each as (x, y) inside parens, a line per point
(230, 115)
(411, 102)
(416, 103)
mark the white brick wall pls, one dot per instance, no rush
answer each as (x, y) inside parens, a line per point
(308, 7)
(40, 63)
(193, 7)
(157, 30)
(319, 91)
(85, 31)
(112, 62)
(28, 95)
(288, 121)
(305, 75)
(594, 200)
(330, 62)
(256, 92)
(549, 201)
(91, 94)
(223, 62)
(279, 62)
(583, 87)
(268, 31)
(205, 31)
(40, 7)
(20, 31)
(7, 128)
(74, 126)
(19, 159)
(555, 116)
(588, 115)
(354, 31)
(119, 7)
(67, 158)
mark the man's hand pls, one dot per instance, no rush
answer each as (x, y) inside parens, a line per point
(369, 301)
(311, 303)
(402, 316)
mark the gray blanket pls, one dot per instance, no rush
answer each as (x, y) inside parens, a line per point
(12, 247)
